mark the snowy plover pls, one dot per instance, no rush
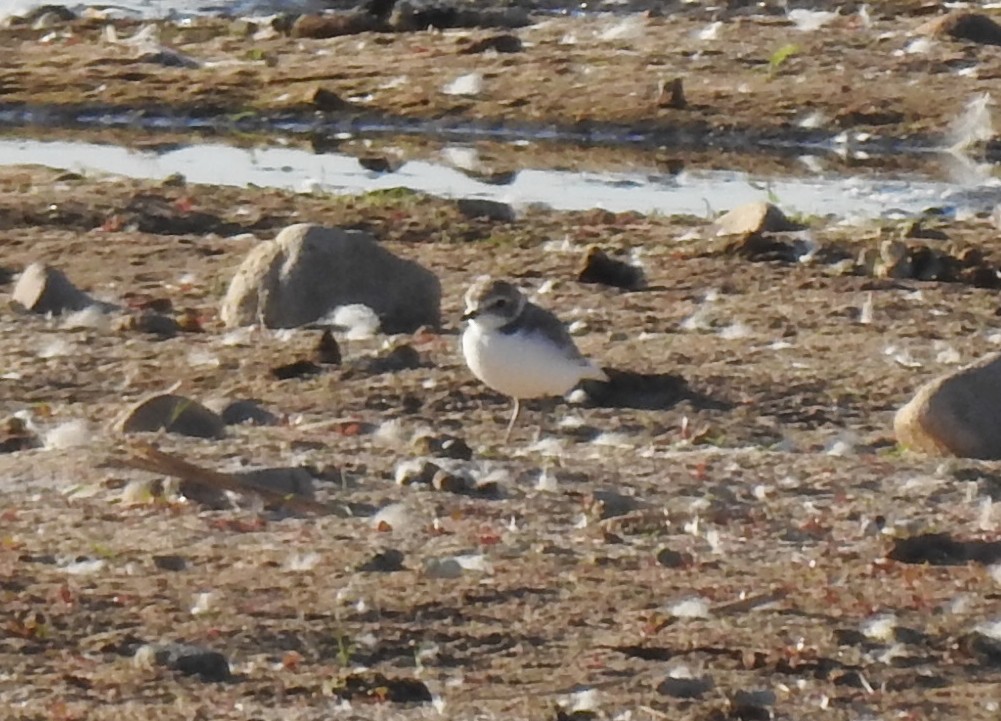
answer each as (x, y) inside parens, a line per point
(518, 348)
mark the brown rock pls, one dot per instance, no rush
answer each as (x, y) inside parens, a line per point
(379, 163)
(958, 414)
(963, 25)
(600, 268)
(867, 113)
(308, 270)
(148, 321)
(505, 43)
(489, 209)
(671, 94)
(413, 475)
(894, 261)
(327, 351)
(758, 217)
(449, 483)
(16, 436)
(44, 289)
(333, 25)
(323, 99)
(399, 358)
(174, 414)
(290, 480)
(242, 411)
(444, 446)
(301, 368)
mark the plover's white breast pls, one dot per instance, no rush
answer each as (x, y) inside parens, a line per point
(522, 365)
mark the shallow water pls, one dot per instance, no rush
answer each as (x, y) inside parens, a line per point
(647, 190)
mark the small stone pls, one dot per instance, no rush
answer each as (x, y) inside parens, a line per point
(378, 163)
(600, 268)
(486, 489)
(211, 499)
(174, 180)
(853, 679)
(504, 43)
(243, 412)
(174, 414)
(410, 473)
(894, 261)
(984, 647)
(867, 113)
(140, 492)
(963, 25)
(489, 209)
(757, 217)
(400, 358)
(296, 369)
(690, 687)
(189, 660)
(332, 25)
(147, 302)
(449, 482)
(671, 94)
(17, 436)
(388, 561)
(941, 549)
(673, 559)
(367, 686)
(958, 414)
(169, 59)
(609, 504)
(190, 321)
(928, 264)
(756, 698)
(44, 289)
(170, 562)
(324, 99)
(918, 229)
(151, 322)
(327, 351)
(443, 447)
(447, 568)
(289, 480)
(308, 270)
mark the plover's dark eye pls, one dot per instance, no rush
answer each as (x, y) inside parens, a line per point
(500, 302)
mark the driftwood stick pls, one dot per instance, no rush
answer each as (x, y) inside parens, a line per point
(148, 457)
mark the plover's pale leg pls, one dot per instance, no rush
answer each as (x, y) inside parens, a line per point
(514, 419)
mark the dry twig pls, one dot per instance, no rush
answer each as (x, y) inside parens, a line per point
(147, 457)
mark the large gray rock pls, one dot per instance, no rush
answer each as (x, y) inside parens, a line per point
(44, 289)
(308, 270)
(756, 217)
(958, 414)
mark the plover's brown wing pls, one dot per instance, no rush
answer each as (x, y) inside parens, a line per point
(538, 321)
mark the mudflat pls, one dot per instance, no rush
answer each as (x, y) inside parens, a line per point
(740, 538)
(892, 71)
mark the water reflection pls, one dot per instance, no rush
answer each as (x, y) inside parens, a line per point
(460, 172)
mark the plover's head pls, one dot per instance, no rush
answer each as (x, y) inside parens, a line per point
(493, 303)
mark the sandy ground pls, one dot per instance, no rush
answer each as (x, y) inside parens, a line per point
(746, 78)
(732, 535)
(732, 552)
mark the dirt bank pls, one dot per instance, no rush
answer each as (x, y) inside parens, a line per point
(745, 79)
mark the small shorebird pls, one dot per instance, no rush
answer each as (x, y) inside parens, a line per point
(518, 348)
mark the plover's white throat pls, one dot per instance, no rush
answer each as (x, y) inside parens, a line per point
(518, 348)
